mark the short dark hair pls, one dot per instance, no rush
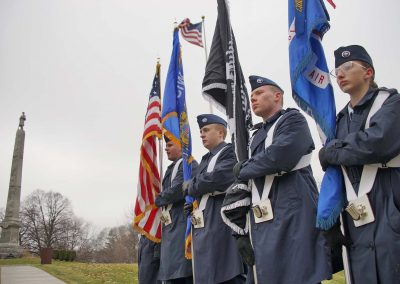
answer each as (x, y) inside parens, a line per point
(372, 83)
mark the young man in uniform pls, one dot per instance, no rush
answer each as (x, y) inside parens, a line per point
(366, 146)
(174, 267)
(287, 246)
(215, 257)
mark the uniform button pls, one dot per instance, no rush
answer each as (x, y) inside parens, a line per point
(371, 246)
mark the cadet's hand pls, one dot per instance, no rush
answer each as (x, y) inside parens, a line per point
(236, 168)
(185, 187)
(335, 237)
(187, 209)
(245, 249)
(158, 201)
(323, 159)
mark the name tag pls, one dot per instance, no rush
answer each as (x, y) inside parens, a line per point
(166, 217)
(360, 211)
(197, 219)
(262, 211)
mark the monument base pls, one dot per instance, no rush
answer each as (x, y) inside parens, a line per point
(10, 250)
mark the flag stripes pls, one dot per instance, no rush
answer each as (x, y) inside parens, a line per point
(147, 215)
(191, 32)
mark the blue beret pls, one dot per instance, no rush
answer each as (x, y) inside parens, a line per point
(257, 81)
(205, 119)
(352, 52)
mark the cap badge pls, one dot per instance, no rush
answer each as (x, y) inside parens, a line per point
(345, 53)
(259, 80)
(204, 119)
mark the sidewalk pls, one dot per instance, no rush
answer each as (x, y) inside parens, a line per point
(26, 274)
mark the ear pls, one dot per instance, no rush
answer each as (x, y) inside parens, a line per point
(277, 96)
(369, 73)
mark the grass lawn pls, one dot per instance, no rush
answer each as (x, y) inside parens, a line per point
(338, 278)
(77, 272)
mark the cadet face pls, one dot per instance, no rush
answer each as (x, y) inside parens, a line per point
(173, 151)
(265, 101)
(212, 135)
(353, 78)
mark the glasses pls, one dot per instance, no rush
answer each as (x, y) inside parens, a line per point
(345, 67)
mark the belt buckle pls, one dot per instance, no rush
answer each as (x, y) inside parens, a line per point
(165, 218)
(360, 211)
(262, 211)
(356, 211)
(197, 219)
(259, 212)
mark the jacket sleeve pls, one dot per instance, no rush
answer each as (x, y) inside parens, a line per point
(217, 180)
(292, 140)
(195, 166)
(377, 144)
(173, 193)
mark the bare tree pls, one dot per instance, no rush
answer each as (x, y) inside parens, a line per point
(91, 243)
(48, 221)
(119, 246)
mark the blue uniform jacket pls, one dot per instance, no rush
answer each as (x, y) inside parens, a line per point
(173, 263)
(288, 249)
(375, 253)
(216, 258)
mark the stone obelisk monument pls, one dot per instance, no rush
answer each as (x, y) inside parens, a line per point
(9, 241)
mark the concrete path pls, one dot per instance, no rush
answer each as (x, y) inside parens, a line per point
(26, 275)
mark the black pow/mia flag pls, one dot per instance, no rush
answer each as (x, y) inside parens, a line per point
(224, 83)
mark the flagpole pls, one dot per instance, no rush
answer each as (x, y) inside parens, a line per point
(345, 257)
(205, 40)
(205, 52)
(160, 140)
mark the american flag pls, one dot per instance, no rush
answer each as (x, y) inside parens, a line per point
(147, 215)
(191, 32)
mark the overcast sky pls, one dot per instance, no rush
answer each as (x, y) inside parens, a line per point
(82, 70)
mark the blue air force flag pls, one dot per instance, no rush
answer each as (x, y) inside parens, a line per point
(175, 120)
(312, 91)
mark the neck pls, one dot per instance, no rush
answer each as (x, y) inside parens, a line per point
(215, 146)
(357, 95)
(271, 113)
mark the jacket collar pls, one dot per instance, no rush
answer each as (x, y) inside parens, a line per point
(262, 132)
(219, 147)
(364, 101)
